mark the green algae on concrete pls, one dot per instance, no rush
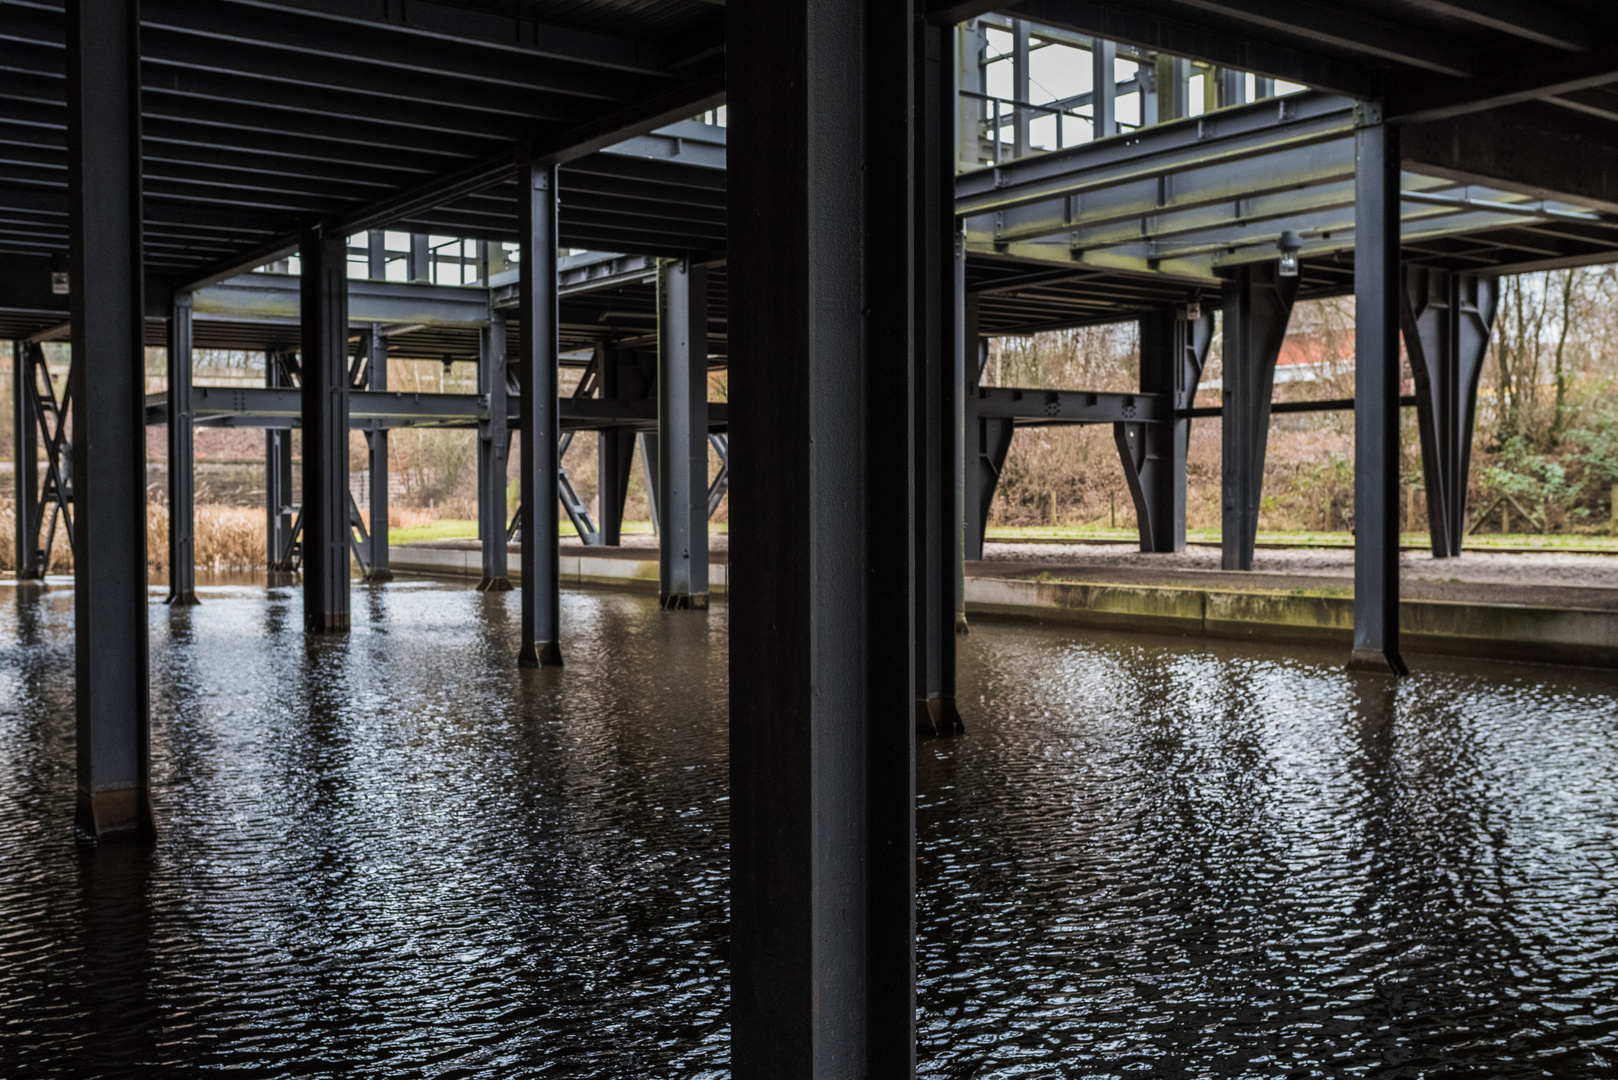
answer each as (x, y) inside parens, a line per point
(1323, 616)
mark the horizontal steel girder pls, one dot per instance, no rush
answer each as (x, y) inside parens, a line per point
(1262, 128)
(263, 297)
(1188, 199)
(281, 407)
(1068, 406)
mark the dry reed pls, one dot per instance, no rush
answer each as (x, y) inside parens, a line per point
(227, 538)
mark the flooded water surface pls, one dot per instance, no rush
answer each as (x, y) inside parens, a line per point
(392, 853)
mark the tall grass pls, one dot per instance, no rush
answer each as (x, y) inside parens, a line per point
(227, 538)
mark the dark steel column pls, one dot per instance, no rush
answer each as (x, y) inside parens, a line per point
(822, 733)
(539, 459)
(25, 462)
(988, 441)
(421, 258)
(182, 458)
(377, 438)
(937, 388)
(494, 448)
(1258, 303)
(325, 431)
(615, 451)
(278, 484)
(109, 418)
(992, 438)
(1021, 89)
(1173, 350)
(1376, 396)
(1447, 319)
(682, 433)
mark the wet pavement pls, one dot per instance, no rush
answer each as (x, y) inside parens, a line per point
(392, 853)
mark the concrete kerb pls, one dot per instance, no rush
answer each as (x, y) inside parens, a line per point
(1540, 634)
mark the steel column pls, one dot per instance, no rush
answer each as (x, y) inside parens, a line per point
(1021, 89)
(615, 450)
(1104, 88)
(278, 484)
(182, 457)
(988, 441)
(1173, 350)
(822, 688)
(682, 433)
(1447, 318)
(1376, 396)
(937, 388)
(324, 293)
(540, 457)
(109, 418)
(377, 442)
(421, 258)
(494, 448)
(1257, 305)
(25, 463)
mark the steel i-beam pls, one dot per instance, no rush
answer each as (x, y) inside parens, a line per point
(278, 486)
(822, 734)
(1257, 306)
(1173, 350)
(682, 433)
(325, 431)
(937, 388)
(182, 458)
(540, 410)
(377, 443)
(1447, 318)
(109, 448)
(615, 449)
(494, 448)
(988, 441)
(1376, 396)
(25, 463)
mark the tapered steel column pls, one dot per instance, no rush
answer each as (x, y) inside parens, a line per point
(1258, 304)
(539, 459)
(278, 484)
(1376, 396)
(649, 467)
(988, 440)
(494, 448)
(1447, 319)
(1173, 350)
(937, 387)
(821, 658)
(25, 462)
(377, 365)
(182, 458)
(615, 452)
(325, 431)
(109, 418)
(682, 433)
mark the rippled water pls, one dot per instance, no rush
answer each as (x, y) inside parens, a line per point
(394, 854)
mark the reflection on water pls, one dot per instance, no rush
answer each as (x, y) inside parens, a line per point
(395, 854)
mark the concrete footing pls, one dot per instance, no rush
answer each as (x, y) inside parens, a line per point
(1536, 633)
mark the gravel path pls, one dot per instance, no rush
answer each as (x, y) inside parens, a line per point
(1540, 568)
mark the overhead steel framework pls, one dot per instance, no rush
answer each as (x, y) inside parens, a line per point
(166, 160)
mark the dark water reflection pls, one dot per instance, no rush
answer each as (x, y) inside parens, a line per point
(394, 854)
